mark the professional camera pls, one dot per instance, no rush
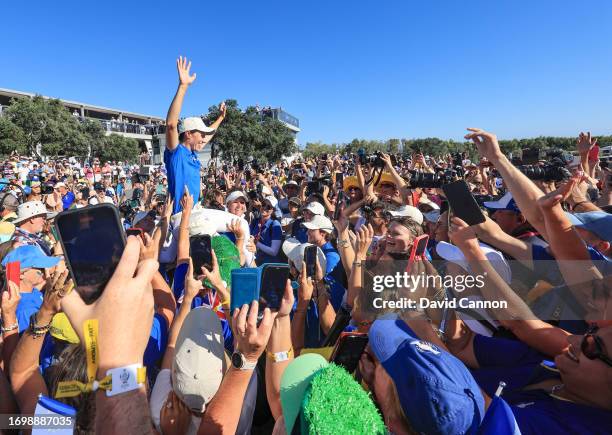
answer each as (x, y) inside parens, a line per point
(374, 160)
(432, 179)
(553, 170)
(317, 184)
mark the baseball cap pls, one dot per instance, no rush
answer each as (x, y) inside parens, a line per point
(506, 202)
(294, 250)
(408, 211)
(310, 385)
(235, 195)
(291, 183)
(62, 329)
(436, 391)
(296, 201)
(199, 359)
(30, 256)
(319, 223)
(316, 208)
(597, 222)
(272, 200)
(194, 123)
(98, 186)
(496, 258)
(60, 184)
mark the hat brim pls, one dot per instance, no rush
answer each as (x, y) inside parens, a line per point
(294, 384)
(25, 218)
(311, 226)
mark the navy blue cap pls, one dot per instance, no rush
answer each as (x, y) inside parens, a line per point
(597, 222)
(30, 256)
(436, 391)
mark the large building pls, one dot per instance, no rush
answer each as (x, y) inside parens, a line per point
(149, 130)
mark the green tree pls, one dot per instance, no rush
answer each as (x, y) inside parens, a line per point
(48, 127)
(94, 135)
(247, 133)
(11, 137)
(118, 148)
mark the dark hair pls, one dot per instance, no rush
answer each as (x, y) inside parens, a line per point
(72, 366)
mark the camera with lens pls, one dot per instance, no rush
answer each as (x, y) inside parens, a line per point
(553, 170)
(317, 184)
(433, 180)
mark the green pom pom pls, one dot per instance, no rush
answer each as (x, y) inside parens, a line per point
(227, 256)
(336, 404)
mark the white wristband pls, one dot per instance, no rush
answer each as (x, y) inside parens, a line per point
(125, 379)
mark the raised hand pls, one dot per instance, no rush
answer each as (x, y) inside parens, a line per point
(485, 142)
(306, 286)
(252, 340)
(585, 142)
(192, 285)
(551, 199)
(183, 67)
(222, 109)
(235, 227)
(364, 240)
(187, 200)
(287, 302)
(462, 235)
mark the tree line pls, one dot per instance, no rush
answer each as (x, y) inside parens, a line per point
(436, 146)
(45, 127)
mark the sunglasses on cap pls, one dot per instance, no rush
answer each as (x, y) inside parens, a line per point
(592, 346)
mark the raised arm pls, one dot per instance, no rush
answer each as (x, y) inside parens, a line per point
(182, 250)
(524, 191)
(517, 316)
(279, 351)
(174, 112)
(223, 411)
(217, 123)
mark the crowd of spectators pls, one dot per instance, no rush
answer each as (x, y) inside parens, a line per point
(536, 359)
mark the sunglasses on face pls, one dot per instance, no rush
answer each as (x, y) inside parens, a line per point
(592, 346)
(350, 189)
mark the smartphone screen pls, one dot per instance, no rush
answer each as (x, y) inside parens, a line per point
(244, 287)
(201, 253)
(339, 205)
(310, 258)
(273, 280)
(462, 203)
(340, 178)
(348, 350)
(93, 241)
(13, 273)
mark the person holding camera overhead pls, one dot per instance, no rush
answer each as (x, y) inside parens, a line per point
(183, 144)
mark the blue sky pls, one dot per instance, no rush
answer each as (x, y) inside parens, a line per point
(373, 70)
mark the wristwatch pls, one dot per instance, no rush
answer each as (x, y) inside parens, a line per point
(241, 363)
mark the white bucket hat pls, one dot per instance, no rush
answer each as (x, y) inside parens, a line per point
(30, 209)
(294, 250)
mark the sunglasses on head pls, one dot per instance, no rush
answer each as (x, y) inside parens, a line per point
(592, 346)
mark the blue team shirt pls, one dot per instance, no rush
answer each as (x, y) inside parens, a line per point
(535, 411)
(269, 231)
(335, 277)
(178, 289)
(183, 166)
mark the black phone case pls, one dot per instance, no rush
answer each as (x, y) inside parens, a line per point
(462, 203)
(88, 209)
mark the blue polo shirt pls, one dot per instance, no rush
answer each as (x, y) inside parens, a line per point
(335, 276)
(535, 411)
(183, 166)
(269, 231)
(29, 304)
